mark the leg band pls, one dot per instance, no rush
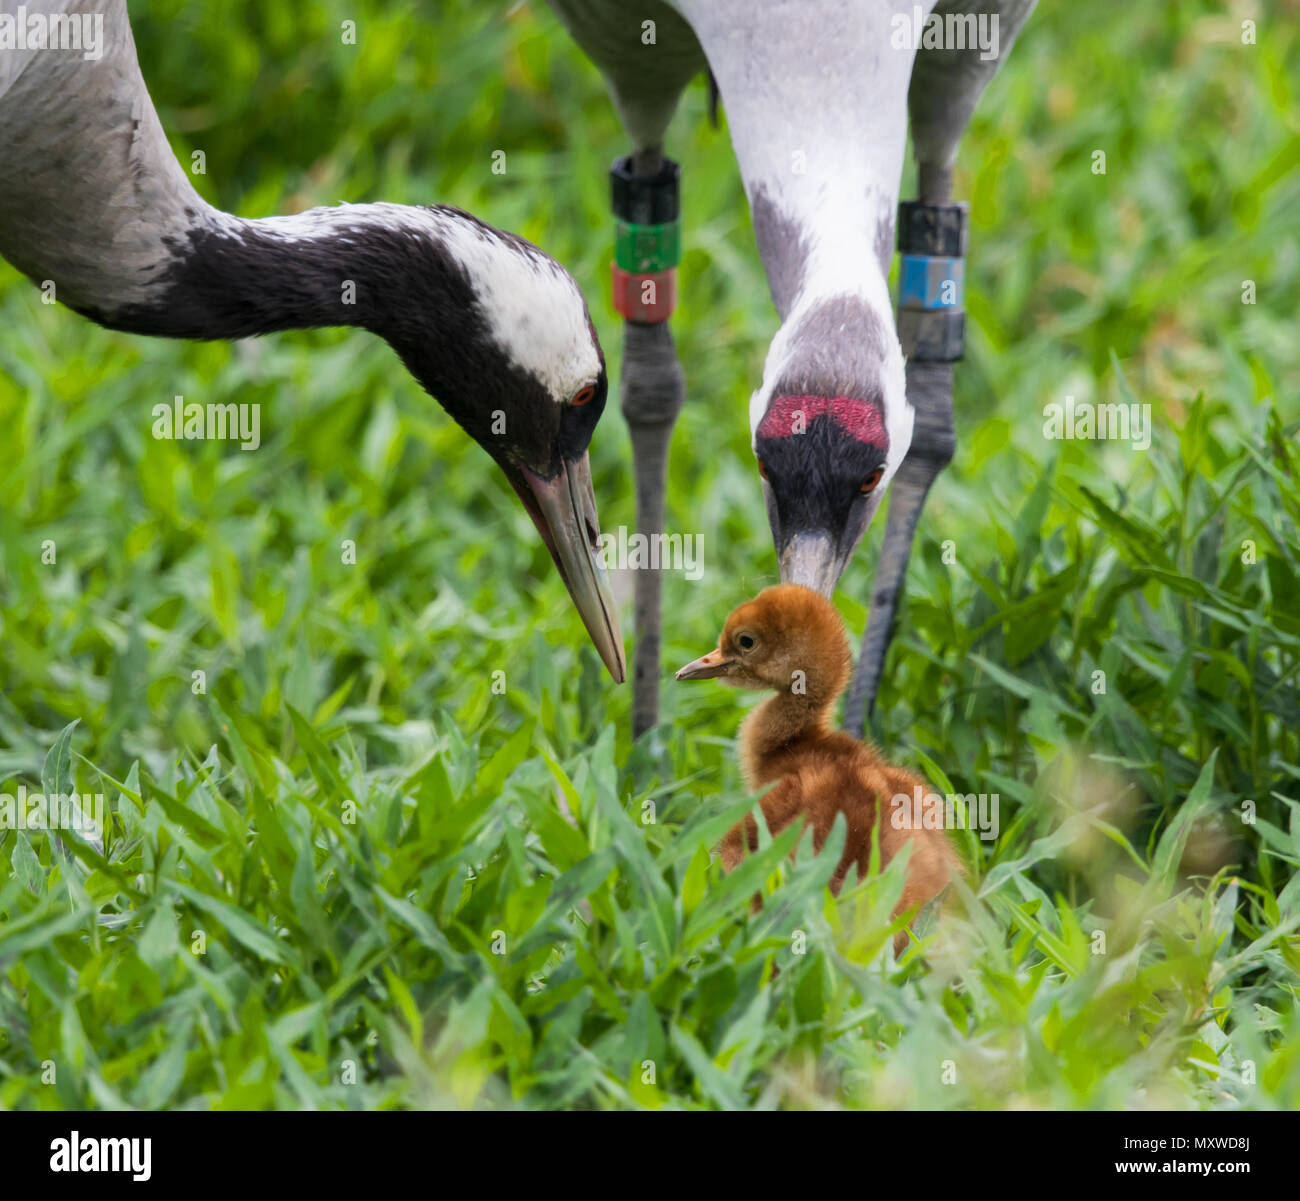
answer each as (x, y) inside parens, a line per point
(932, 278)
(647, 241)
(647, 297)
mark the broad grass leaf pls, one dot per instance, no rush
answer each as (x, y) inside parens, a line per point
(1047, 847)
(1169, 850)
(570, 888)
(26, 864)
(239, 926)
(735, 892)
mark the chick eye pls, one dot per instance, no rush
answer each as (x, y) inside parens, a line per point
(869, 484)
(583, 396)
(746, 642)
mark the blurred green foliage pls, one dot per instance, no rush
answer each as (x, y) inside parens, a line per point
(459, 942)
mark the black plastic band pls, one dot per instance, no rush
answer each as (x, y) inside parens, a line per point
(645, 200)
(932, 335)
(933, 229)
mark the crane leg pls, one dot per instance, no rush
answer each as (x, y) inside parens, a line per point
(929, 388)
(946, 86)
(652, 389)
(931, 323)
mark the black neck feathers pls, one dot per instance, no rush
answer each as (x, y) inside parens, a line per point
(237, 279)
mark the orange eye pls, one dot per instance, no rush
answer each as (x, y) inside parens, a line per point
(583, 396)
(762, 469)
(869, 484)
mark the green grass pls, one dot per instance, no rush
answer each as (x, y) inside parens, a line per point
(341, 877)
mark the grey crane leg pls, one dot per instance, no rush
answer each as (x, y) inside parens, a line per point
(934, 441)
(945, 88)
(929, 388)
(653, 389)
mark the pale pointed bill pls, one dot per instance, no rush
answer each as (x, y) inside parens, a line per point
(811, 558)
(564, 511)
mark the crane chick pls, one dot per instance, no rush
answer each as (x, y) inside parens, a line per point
(790, 640)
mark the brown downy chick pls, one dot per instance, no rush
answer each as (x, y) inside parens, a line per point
(790, 640)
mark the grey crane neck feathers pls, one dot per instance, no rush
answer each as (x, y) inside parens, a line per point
(816, 104)
(819, 132)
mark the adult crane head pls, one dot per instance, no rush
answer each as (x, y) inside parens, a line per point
(492, 327)
(831, 424)
(504, 341)
(93, 201)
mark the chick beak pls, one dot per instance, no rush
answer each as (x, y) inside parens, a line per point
(707, 667)
(812, 559)
(564, 511)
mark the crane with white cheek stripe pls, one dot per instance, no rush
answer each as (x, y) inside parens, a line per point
(93, 200)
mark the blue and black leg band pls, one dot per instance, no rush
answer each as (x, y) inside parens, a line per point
(932, 280)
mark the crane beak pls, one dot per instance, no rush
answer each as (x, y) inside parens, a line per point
(812, 559)
(706, 667)
(564, 511)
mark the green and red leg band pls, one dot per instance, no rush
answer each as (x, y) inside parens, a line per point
(647, 241)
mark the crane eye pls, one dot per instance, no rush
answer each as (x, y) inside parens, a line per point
(762, 469)
(869, 484)
(746, 642)
(583, 396)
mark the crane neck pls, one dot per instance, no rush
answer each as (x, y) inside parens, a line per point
(779, 724)
(230, 277)
(819, 133)
(96, 209)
